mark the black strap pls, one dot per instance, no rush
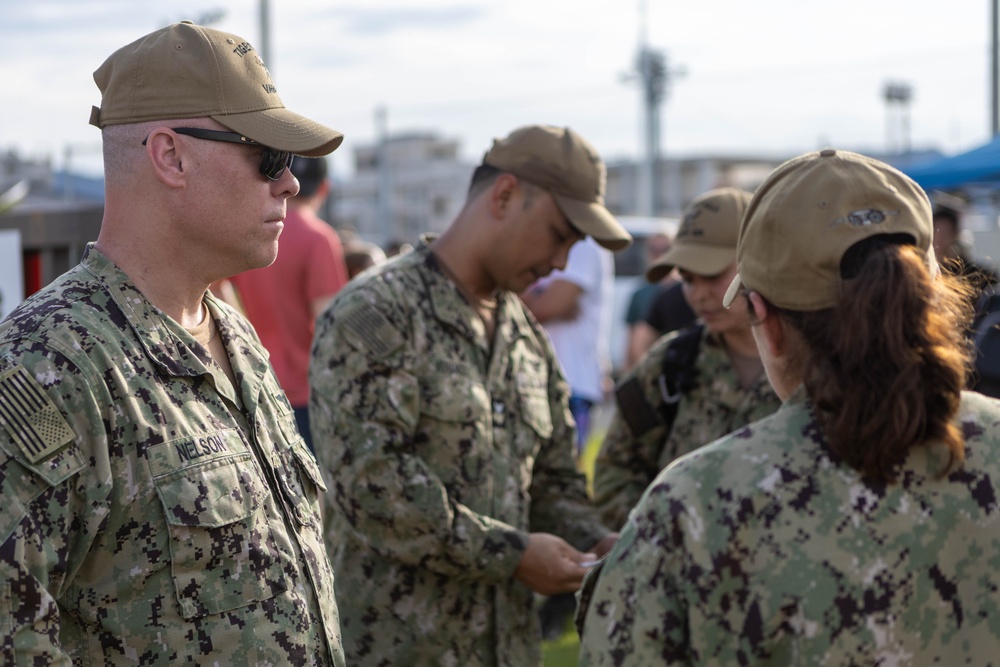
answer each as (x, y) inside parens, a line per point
(986, 339)
(677, 375)
(986, 305)
(640, 416)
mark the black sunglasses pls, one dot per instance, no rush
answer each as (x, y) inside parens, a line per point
(272, 163)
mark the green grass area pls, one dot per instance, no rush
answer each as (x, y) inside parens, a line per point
(589, 456)
(565, 651)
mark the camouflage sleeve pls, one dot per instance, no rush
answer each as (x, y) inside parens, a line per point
(364, 409)
(629, 461)
(635, 615)
(54, 484)
(559, 500)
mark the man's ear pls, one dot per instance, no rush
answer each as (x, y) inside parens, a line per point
(770, 325)
(502, 195)
(166, 157)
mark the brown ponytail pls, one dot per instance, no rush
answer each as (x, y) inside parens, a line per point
(885, 367)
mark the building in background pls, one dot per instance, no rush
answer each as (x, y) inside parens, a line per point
(408, 185)
(679, 180)
(11, 271)
(416, 182)
(55, 215)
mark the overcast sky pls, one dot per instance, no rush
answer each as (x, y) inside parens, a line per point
(778, 77)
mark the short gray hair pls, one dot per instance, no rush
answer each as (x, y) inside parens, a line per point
(122, 147)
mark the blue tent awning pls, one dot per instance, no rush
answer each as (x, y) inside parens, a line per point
(980, 165)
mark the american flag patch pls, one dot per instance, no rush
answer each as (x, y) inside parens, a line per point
(372, 329)
(29, 416)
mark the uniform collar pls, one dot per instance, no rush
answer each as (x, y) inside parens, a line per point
(160, 336)
(797, 397)
(452, 309)
(448, 304)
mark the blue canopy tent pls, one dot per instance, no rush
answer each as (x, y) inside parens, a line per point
(979, 166)
(978, 173)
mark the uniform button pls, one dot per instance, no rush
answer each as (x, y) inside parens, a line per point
(827, 152)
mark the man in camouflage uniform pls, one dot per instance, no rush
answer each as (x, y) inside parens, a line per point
(720, 384)
(442, 420)
(159, 506)
(765, 547)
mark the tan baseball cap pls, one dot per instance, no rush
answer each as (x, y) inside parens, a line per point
(188, 71)
(564, 163)
(705, 244)
(809, 212)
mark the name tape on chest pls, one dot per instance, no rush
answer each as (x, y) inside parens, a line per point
(30, 417)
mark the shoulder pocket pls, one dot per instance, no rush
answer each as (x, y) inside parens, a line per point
(22, 482)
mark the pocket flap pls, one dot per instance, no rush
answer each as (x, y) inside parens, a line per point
(215, 493)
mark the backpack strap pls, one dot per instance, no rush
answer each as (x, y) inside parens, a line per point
(986, 340)
(677, 375)
(987, 304)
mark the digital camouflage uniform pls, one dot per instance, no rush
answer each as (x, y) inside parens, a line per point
(717, 405)
(764, 549)
(146, 518)
(442, 457)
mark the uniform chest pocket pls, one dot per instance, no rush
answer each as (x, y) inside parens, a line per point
(299, 474)
(223, 552)
(455, 398)
(536, 410)
(531, 377)
(456, 410)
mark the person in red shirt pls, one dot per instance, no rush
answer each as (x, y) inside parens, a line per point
(283, 300)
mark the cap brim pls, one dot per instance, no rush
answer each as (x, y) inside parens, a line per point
(733, 291)
(285, 130)
(594, 220)
(699, 259)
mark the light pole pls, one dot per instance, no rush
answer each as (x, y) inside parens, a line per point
(655, 78)
(265, 35)
(385, 222)
(995, 70)
(897, 97)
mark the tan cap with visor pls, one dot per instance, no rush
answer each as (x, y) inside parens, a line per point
(563, 163)
(809, 212)
(188, 71)
(705, 243)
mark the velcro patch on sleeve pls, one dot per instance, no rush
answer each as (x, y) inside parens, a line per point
(30, 417)
(372, 330)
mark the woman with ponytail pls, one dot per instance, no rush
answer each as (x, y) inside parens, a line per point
(859, 525)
